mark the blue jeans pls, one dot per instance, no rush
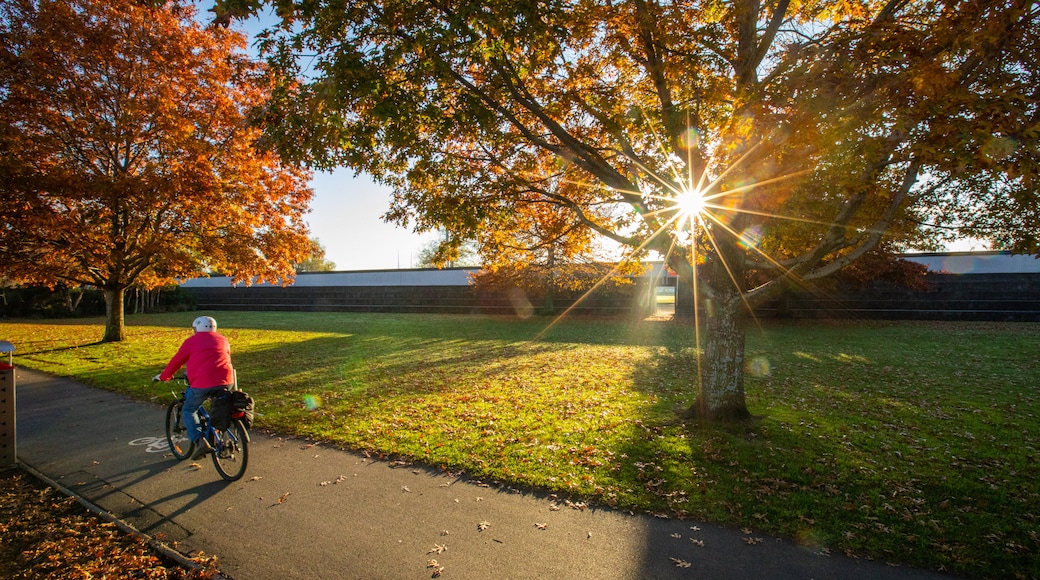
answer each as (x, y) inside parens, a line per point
(193, 399)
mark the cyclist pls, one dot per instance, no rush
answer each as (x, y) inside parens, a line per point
(206, 356)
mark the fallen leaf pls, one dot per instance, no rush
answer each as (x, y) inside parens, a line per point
(677, 536)
(680, 563)
(437, 549)
(541, 526)
(483, 526)
(697, 542)
(284, 497)
(405, 489)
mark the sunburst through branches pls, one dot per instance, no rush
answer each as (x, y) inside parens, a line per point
(691, 210)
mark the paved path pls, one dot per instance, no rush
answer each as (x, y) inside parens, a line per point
(315, 512)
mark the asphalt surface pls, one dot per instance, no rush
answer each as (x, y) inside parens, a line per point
(306, 510)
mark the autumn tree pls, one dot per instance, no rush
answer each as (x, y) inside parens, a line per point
(766, 143)
(127, 154)
(316, 260)
(446, 253)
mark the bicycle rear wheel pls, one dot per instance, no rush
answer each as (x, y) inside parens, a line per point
(176, 434)
(231, 451)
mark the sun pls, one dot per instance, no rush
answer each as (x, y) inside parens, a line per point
(689, 204)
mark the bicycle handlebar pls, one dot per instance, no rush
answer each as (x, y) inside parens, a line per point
(176, 377)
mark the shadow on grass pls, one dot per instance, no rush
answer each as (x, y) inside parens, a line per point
(840, 462)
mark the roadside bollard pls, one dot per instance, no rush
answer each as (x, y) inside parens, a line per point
(8, 449)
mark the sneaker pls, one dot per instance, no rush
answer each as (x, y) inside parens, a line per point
(202, 449)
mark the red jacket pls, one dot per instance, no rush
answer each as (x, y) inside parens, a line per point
(206, 357)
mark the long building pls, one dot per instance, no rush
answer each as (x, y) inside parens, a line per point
(962, 286)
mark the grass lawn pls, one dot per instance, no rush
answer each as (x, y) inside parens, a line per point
(913, 443)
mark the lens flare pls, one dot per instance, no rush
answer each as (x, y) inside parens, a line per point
(759, 367)
(521, 305)
(312, 402)
(690, 138)
(751, 237)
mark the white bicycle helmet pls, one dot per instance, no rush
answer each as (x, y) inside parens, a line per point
(204, 324)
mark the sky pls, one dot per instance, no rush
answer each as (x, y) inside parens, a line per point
(346, 218)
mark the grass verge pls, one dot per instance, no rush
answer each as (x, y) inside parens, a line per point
(914, 443)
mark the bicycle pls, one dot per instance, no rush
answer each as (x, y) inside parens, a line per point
(230, 444)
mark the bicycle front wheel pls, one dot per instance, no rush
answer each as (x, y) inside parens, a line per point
(176, 434)
(231, 451)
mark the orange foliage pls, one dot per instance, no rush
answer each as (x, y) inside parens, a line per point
(128, 155)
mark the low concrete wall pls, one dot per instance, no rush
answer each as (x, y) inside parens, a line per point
(991, 297)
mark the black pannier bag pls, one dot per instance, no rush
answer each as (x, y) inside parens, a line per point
(241, 408)
(220, 411)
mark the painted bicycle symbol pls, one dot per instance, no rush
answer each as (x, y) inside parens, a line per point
(152, 444)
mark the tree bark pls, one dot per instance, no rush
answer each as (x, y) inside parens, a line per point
(720, 393)
(113, 315)
(720, 389)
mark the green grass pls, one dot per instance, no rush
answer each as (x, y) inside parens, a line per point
(913, 443)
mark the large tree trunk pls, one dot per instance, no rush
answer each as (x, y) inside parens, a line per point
(720, 395)
(720, 391)
(113, 315)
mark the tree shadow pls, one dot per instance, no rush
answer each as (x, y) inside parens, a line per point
(829, 464)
